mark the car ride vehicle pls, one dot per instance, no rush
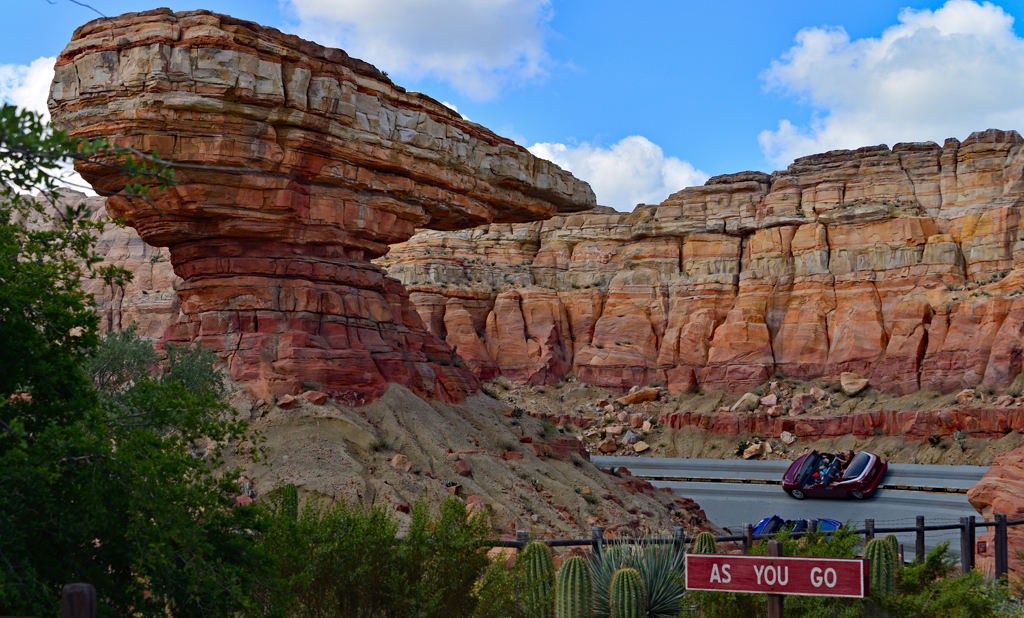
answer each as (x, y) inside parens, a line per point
(817, 475)
(773, 524)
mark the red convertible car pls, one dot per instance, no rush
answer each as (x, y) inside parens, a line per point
(822, 476)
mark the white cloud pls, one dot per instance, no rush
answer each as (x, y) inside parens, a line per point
(935, 74)
(631, 172)
(28, 87)
(478, 46)
(454, 109)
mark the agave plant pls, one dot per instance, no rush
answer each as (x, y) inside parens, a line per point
(660, 568)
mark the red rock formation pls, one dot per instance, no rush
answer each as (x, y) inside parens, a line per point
(901, 265)
(1001, 492)
(297, 165)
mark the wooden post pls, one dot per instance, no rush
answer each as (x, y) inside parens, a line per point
(679, 533)
(748, 538)
(78, 601)
(919, 547)
(522, 536)
(775, 601)
(597, 533)
(1002, 559)
(812, 526)
(869, 529)
(966, 544)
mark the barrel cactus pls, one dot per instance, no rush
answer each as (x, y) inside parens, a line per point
(628, 595)
(290, 502)
(574, 590)
(882, 565)
(538, 571)
(704, 544)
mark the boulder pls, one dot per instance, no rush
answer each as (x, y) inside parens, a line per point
(752, 451)
(317, 398)
(787, 438)
(401, 462)
(801, 403)
(746, 403)
(639, 396)
(462, 468)
(965, 396)
(769, 400)
(641, 446)
(286, 402)
(646, 426)
(637, 421)
(608, 445)
(852, 383)
(629, 439)
(776, 411)
(818, 393)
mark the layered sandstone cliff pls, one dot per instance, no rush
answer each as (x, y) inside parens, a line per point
(296, 165)
(903, 265)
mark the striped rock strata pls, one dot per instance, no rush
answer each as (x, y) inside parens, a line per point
(297, 166)
(903, 265)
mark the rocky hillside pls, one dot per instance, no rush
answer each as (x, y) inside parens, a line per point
(900, 265)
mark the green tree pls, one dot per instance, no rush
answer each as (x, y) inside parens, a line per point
(114, 485)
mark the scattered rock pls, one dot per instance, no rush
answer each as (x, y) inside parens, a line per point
(317, 398)
(754, 450)
(526, 440)
(623, 417)
(639, 396)
(511, 455)
(641, 446)
(608, 445)
(585, 490)
(965, 396)
(852, 383)
(286, 401)
(787, 438)
(609, 409)
(637, 420)
(801, 403)
(613, 430)
(747, 402)
(776, 411)
(769, 400)
(477, 503)
(462, 468)
(818, 393)
(402, 507)
(603, 403)
(243, 500)
(455, 490)
(401, 462)
(629, 438)
(646, 426)
(1004, 401)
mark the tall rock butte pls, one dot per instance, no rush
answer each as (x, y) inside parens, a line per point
(297, 165)
(902, 265)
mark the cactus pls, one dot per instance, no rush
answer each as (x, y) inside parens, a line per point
(574, 590)
(538, 570)
(704, 544)
(290, 502)
(628, 595)
(882, 566)
(894, 543)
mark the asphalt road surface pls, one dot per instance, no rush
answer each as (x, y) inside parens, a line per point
(734, 492)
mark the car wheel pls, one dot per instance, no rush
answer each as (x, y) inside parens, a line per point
(796, 493)
(857, 494)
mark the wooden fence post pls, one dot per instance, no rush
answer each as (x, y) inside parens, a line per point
(919, 547)
(597, 533)
(775, 601)
(1002, 557)
(522, 536)
(966, 544)
(78, 601)
(679, 533)
(812, 526)
(869, 529)
(748, 538)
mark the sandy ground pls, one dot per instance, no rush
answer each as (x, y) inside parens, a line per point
(346, 453)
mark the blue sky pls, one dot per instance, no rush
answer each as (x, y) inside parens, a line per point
(642, 99)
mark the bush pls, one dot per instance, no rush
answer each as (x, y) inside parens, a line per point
(344, 560)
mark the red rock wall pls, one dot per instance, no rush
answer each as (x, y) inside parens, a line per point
(296, 166)
(902, 265)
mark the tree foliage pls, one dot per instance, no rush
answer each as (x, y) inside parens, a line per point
(114, 486)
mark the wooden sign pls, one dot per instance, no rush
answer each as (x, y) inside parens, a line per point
(833, 577)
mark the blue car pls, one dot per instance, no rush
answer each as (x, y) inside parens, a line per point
(773, 524)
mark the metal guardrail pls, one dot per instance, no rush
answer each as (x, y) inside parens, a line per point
(968, 538)
(710, 479)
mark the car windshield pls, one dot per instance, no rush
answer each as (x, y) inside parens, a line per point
(857, 466)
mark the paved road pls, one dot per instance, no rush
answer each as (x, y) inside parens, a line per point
(733, 502)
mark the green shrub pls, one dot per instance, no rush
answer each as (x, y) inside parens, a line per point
(345, 560)
(660, 568)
